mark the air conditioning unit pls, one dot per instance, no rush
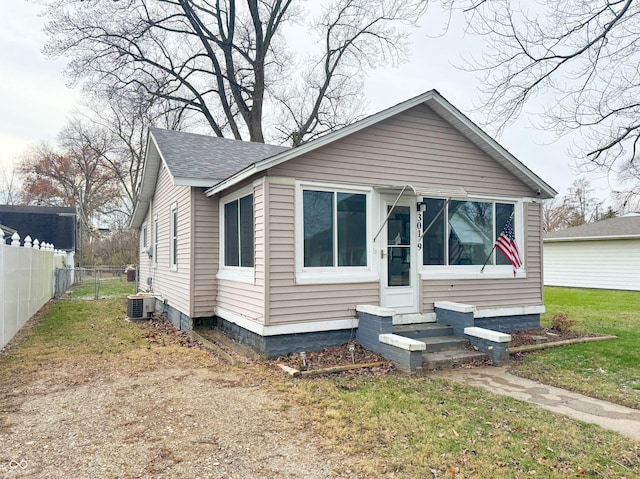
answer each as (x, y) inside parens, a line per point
(140, 306)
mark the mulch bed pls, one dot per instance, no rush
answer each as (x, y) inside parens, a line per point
(525, 338)
(160, 330)
(338, 356)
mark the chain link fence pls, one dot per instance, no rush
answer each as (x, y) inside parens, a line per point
(103, 282)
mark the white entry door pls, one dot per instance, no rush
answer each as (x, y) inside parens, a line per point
(398, 254)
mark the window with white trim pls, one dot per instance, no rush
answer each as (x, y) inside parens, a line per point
(463, 232)
(144, 238)
(173, 237)
(155, 241)
(238, 233)
(335, 229)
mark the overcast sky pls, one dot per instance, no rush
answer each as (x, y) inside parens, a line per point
(35, 101)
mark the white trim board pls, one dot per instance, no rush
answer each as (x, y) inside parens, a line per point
(294, 328)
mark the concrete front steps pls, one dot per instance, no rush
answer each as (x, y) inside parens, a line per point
(443, 349)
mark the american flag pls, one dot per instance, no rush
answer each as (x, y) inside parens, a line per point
(506, 243)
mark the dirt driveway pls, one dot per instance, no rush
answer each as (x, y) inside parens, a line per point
(157, 412)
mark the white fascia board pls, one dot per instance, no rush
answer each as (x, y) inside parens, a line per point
(196, 182)
(294, 328)
(591, 238)
(147, 185)
(233, 180)
(499, 152)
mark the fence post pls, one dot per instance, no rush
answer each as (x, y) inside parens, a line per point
(2, 290)
(15, 239)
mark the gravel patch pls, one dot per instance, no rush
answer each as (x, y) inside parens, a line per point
(163, 423)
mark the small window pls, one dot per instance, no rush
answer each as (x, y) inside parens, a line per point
(238, 232)
(155, 241)
(173, 237)
(334, 228)
(144, 238)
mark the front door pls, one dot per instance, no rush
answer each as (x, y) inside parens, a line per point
(399, 282)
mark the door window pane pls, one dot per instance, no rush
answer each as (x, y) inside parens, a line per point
(399, 266)
(352, 229)
(399, 226)
(318, 228)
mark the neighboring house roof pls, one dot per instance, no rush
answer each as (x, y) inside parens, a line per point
(622, 227)
(8, 232)
(55, 225)
(220, 163)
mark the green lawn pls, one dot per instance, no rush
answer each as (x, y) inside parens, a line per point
(390, 426)
(408, 427)
(106, 287)
(608, 370)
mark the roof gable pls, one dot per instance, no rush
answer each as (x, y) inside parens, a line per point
(437, 103)
(612, 228)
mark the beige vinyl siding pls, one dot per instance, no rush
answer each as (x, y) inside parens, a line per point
(488, 293)
(206, 255)
(243, 298)
(417, 147)
(172, 286)
(290, 302)
(601, 264)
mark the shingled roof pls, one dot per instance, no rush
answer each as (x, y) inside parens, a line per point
(195, 160)
(620, 227)
(210, 158)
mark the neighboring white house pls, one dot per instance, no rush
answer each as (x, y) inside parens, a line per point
(602, 255)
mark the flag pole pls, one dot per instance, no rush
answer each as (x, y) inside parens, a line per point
(487, 260)
(494, 245)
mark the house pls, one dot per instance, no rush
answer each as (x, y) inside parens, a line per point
(54, 225)
(287, 248)
(7, 233)
(603, 255)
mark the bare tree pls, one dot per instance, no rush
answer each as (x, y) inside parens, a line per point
(554, 215)
(126, 119)
(628, 196)
(10, 193)
(582, 206)
(577, 207)
(227, 60)
(73, 176)
(579, 56)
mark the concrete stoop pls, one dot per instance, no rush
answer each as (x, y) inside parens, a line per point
(443, 350)
(427, 345)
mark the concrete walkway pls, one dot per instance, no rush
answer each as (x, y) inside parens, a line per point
(610, 416)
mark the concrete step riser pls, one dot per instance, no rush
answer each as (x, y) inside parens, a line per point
(423, 331)
(432, 361)
(447, 343)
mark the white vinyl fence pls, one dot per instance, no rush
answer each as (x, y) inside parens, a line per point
(27, 281)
